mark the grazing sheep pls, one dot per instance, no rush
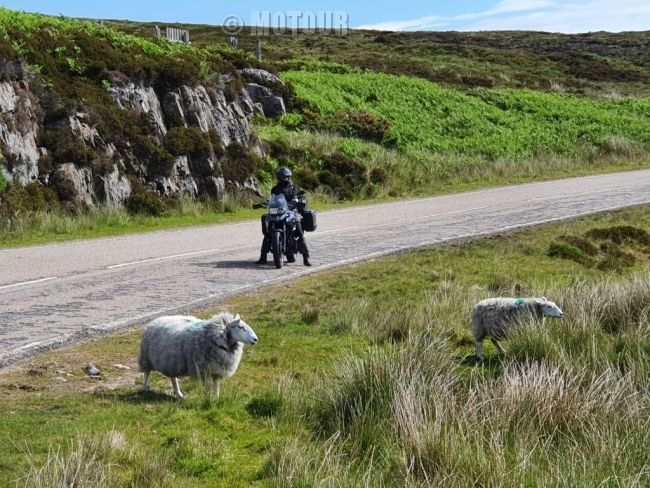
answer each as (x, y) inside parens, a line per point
(492, 316)
(186, 346)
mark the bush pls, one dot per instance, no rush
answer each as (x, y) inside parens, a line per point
(564, 250)
(620, 234)
(65, 147)
(345, 176)
(354, 124)
(64, 187)
(143, 202)
(239, 163)
(30, 198)
(188, 141)
(3, 183)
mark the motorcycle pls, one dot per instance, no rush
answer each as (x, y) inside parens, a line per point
(279, 224)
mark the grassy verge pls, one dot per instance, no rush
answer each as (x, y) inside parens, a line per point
(367, 375)
(406, 176)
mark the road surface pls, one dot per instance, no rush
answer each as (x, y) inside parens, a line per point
(59, 294)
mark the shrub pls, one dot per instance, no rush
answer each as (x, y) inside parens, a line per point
(188, 141)
(217, 143)
(564, 250)
(344, 175)
(65, 147)
(143, 202)
(64, 187)
(378, 176)
(3, 183)
(239, 163)
(354, 124)
(30, 198)
(620, 234)
(615, 259)
(582, 244)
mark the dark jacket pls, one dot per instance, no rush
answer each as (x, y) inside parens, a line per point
(287, 188)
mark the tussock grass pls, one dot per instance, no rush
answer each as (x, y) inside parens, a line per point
(384, 388)
(567, 405)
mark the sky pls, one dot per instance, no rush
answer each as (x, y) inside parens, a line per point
(471, 15)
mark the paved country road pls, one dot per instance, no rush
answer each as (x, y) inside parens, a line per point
(59, 294)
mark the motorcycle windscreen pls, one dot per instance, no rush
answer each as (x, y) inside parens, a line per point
(278, 202)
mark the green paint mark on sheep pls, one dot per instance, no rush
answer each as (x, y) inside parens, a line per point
(519, 302)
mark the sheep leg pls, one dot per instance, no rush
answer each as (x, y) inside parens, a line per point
(177, 389)
(145, 381)
(216, 388)
(479, 350)
(498, 346)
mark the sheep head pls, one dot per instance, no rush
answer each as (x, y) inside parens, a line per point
(549, 309)
(240, 331)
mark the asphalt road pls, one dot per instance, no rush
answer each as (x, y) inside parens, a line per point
(59, 294)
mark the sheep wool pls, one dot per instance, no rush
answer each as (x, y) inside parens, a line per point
(186, 346)
(493, 316)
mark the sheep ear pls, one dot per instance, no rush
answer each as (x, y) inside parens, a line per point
(237, 317)
(544, 299)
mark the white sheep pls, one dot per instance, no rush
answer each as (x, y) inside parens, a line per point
(186, 346)
(491, 317)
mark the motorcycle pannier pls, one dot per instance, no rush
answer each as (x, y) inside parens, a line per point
(309, 221)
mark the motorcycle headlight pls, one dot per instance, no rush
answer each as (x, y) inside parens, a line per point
(276, 211)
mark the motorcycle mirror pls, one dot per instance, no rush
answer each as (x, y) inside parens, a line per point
(258, 205)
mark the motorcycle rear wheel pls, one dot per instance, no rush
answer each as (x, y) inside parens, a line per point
(276, 249)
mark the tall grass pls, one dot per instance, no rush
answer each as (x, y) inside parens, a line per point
(569, 405)
(426, 172)
(47, 225)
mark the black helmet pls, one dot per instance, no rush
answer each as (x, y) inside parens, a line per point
(283, 173)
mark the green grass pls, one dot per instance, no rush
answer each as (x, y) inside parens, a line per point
(338, 349)
(493, 123)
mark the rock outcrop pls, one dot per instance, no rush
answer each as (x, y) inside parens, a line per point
(204, 107)
(18, 132)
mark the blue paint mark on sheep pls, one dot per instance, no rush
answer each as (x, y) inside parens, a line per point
(519, 302)
(195, 325)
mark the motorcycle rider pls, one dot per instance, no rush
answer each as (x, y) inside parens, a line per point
(284, 186)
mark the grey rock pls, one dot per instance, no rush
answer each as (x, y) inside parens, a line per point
(112, 189)
(272, 105)
(142, 99)
(261, 76)
(214, 186)
(82, 179)
(172, 106)
(92, 371)
(18, 133)
(205, 108)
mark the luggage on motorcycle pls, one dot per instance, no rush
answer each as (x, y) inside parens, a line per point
(309, 221)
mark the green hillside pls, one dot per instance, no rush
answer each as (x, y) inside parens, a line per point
(371, 115)
(596, 64)
(494, 123)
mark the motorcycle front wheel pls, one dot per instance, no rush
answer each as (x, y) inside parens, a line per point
(276, 249)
